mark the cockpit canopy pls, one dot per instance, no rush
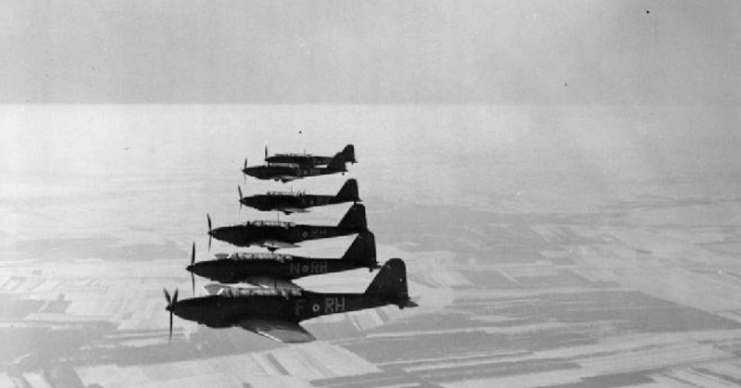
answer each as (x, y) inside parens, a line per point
(285, 193)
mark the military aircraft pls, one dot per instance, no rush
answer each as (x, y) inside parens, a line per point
(277, 234)
(286, 172)
(298, 202)
(277, 270)
(309, 159)
(277, 313)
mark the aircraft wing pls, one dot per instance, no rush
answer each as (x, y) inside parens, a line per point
(271, 282)
(276, 244)
(286, 178)
(278, 330)
(213, 288)
(216, 288)
(291, 210)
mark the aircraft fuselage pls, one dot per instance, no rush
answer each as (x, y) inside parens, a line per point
(286, 172)
(233, 271)
(269, 202)
(248, 234)
(304, 160)
(224, 311)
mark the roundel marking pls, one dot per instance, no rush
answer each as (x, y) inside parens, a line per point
(316, 308)
(305, 268)
(304, 234)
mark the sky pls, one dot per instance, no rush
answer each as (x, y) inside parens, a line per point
(368, 52)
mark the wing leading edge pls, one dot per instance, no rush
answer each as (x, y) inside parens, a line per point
(276, 244)
(271, 282)
(285, 209)
(278, 330)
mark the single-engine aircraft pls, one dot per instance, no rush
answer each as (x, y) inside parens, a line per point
(277, 313)
(309, 159)
(279, 234)
(286, 172)
(298, 202)
(278, 270)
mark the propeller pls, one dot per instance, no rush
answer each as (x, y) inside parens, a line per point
(240, 198)
(192, 263)
(171, 302)
(208, 217)
(266, 151)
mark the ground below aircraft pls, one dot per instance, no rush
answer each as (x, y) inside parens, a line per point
(308, 159)
(276, 313)
(299, 202)
(286, 172)
(277, 234)
(278, 270)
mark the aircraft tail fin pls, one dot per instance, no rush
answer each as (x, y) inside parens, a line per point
(349, 152)
(363, 250)
(354, 218)
(337, 163)
(349, 191)
(391, 284)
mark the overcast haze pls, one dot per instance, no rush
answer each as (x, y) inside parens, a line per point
(370, 51)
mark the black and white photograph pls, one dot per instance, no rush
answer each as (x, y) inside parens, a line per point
(370, 194)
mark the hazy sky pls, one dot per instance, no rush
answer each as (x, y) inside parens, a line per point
(335, 51)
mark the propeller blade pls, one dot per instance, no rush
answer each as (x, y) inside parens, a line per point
(169, 308)
(192, 277)
(244, 173)
(266, 151)
(240, 198)
(193, 255)
(175, 297)
(208, 217)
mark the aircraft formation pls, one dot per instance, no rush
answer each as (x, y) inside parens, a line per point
(272, 305)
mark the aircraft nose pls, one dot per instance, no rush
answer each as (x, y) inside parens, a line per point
(215, 233)
(196, 269)
(222, 233)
